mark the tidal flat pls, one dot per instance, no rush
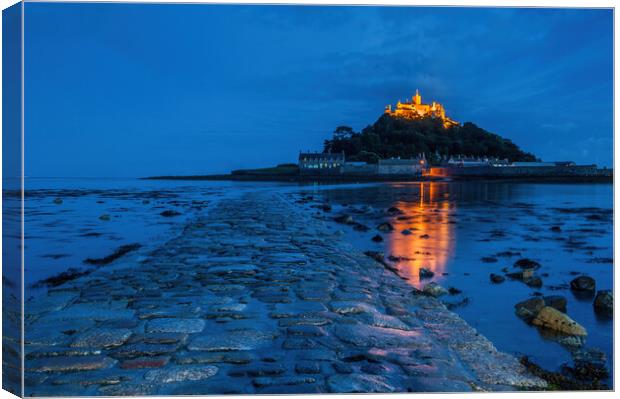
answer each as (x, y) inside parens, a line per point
(236, 287)
(477, 238)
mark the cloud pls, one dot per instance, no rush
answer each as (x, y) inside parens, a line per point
(227, 76)
(560, 126)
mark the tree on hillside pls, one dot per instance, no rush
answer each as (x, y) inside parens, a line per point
(343, 133)
(392, 136)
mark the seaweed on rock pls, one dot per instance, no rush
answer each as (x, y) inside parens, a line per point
(120, 251)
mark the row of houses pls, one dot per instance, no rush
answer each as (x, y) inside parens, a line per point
(315, 163)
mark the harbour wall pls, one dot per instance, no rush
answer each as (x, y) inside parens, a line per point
(522, 171)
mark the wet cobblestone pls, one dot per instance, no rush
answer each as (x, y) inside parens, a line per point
(255, 296)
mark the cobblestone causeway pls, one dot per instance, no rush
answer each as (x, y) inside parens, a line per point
(256, 296)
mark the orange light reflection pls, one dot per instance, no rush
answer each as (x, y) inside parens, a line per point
(431, 243)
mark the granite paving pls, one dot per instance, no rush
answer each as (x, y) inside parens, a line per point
(254, 296)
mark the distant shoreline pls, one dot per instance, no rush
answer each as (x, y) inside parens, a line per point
(391, 178)
(297, 178)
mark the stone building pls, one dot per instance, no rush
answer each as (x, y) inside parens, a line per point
(359, 169)
(320, 162)
(397, 166)
(467, 162)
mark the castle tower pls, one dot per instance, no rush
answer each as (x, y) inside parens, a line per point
(417, 99)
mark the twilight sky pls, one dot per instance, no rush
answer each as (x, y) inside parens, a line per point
(136, 89)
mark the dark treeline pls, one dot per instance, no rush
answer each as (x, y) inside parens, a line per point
(405, 138)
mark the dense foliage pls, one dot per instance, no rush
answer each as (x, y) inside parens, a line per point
(397, 137)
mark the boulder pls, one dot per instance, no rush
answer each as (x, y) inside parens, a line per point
(556, 301)
(525, 263)
(435, 290)
(523, 275)
(385, 227)
(529, 309)
(169, 213)
(425, 273)
(570, 341)
(456, 304)
(604, 302)
(496, 278)
(360, 227)
(590, 364)
(534, 282)
(365, 209)
(345, 219)
(394, 211)
(583, 284)
(553, 319)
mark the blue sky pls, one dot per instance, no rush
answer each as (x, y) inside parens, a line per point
(136, 89)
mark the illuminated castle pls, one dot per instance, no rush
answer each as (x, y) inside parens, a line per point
(415, 109)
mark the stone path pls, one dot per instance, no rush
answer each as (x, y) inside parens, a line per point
(255, 297)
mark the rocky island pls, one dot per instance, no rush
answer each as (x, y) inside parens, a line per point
(416, 142)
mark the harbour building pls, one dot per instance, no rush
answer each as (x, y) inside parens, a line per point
(320, 162)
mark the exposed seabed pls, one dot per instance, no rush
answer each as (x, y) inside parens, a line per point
(254, 297)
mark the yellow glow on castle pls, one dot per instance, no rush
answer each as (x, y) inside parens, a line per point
(416, 110)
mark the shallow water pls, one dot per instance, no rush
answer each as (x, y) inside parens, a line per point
(453, 227)
(62, 234)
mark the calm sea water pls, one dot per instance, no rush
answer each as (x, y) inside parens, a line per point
(70, 220)
(453, 225)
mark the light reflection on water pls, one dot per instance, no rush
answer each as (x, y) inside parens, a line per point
(431, 242)
(468, 223)
(462, 221)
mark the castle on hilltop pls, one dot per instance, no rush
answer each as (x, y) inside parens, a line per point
(415, 110)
